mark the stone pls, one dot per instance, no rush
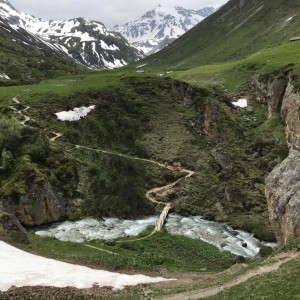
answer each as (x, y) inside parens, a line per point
(283, 196)
(290, 112)
(11, 230)
(270, 93)
(40, 205)
(212, 121)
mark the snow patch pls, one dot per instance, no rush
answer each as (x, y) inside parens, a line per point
(107, 47)
(74, 115)
(241, 103)
(289, 19)
(18, 268)
(4, 76)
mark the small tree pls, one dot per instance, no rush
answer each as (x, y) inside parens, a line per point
(6, 160)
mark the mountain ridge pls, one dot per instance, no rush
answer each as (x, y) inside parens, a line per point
(87, 42)
(160, 26)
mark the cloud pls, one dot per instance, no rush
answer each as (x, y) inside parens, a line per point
(109, 12)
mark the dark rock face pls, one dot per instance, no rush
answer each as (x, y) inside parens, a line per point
(283, 195)
(212, 121)
(11, 230)
(41, 205)
(270, 93)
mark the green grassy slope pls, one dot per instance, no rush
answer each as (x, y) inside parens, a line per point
(238, 29)
(147, 117)
(234, 75)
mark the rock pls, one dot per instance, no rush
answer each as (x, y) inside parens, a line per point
(110, 243)
(244, 244)
(11, 230)
(40, 205)
(212, 121)
(222, 160)
(270, 93)
(183, 92)
(283, 196)
(290, 113)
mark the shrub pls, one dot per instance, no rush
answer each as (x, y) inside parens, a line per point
(265, 251)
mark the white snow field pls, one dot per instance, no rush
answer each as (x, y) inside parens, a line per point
(19, 268)
(74, 115)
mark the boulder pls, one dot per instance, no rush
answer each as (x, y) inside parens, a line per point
(11, 230)
(283, 196)
(40, 205)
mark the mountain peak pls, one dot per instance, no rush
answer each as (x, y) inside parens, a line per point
(160, 26)
(87, 42)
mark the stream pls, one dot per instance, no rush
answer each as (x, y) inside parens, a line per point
(217, 234)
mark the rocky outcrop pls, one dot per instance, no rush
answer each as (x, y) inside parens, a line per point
(212, 121)
(11, 230)
(283, 195)
(183, 92)
(283, 183)
(40, 205)
(270, 93)
(290, 112)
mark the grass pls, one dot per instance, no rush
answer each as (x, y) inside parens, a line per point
(281, 284)
(160, 251)
(235, 74)
(147, 116)
(234, 32)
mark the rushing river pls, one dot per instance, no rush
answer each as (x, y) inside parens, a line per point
(217, 234)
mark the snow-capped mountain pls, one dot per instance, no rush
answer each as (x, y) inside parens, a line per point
(87, 42)
(161, 26)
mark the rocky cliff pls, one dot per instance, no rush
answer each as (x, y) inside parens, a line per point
(283, 195)
(283, 183)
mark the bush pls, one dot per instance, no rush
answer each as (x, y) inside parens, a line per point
(265, 251)
(10, 132)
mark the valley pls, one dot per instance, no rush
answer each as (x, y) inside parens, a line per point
(182, 166)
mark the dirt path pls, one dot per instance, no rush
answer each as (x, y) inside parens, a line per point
(56, 136)
(214, 290)
(20, 111)
(102, 250)
(16, 100)
(151, 194)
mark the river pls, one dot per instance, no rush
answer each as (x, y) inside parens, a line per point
(217, 234)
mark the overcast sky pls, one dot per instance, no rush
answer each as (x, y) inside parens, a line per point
(109, 12)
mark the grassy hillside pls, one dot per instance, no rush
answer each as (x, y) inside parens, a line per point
(282, 59)
(236, 30)
(146, 117)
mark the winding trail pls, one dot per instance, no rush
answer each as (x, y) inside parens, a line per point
(21, 111)
(16, 100)
(151, 194)
(56, 136)
(282, 258)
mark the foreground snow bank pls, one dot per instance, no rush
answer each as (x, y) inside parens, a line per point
(18, 268)
(74, 115)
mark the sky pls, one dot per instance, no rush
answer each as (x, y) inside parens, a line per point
(109, 12)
